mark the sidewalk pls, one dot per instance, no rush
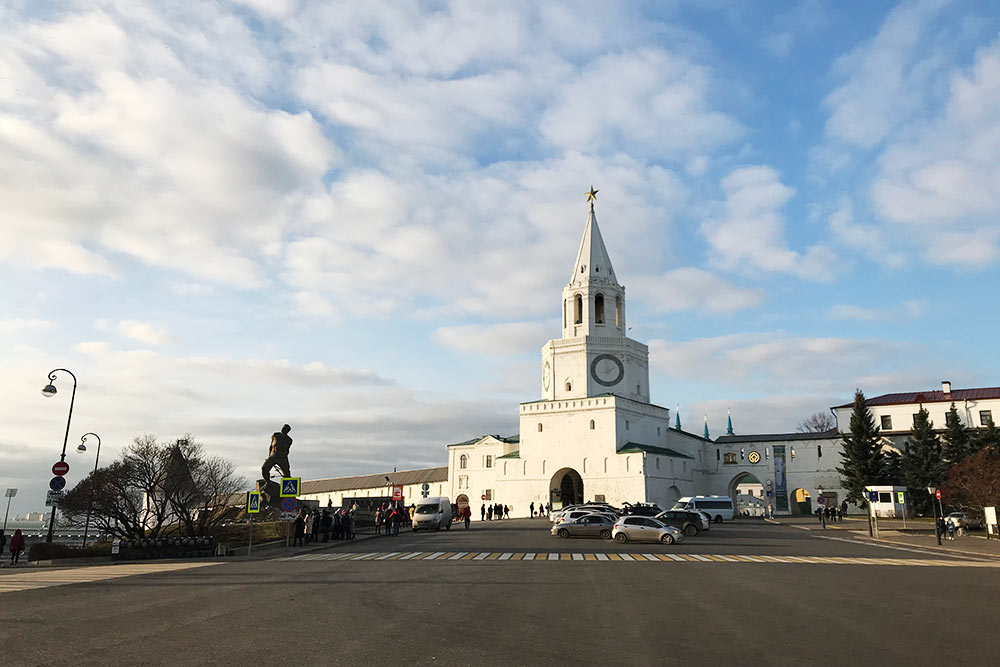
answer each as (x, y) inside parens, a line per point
(918, 534)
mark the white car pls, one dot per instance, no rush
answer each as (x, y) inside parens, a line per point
(644, 529)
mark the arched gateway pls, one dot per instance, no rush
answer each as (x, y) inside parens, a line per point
(565, 488)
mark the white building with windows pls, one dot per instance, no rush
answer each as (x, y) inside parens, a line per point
(594, 435)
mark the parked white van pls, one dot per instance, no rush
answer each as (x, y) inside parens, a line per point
(720, 508)
(432, 513)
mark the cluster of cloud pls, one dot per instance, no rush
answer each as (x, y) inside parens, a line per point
(929, 121)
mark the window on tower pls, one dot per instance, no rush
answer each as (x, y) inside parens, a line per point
(463, 462)
(591, 424)
(599, 309)
(569, 386)
(578, 309)
(619, 313)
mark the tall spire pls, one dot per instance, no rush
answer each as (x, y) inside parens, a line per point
(592, 262)
(677, 417)
(706, 428)
(729, 423)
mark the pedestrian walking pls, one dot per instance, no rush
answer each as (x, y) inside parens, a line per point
(843, 508)
(467, 515)
(413, 510)
(531, 509)
(506, 512)
(299, 530)
(489, 513)
(16, 546)
(482, 512)
(3, 541)
(378, 521)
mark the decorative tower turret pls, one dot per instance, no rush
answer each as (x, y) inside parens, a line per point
(594, 355)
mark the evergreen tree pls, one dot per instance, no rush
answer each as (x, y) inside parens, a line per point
(862, 462)
(956, 437)
(893, 468)
(985, 438)
(923, 464)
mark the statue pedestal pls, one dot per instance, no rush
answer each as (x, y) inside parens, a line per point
(270, 493)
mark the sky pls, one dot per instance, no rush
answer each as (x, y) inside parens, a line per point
(357, 218)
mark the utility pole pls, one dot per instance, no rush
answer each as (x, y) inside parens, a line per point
(10, 494)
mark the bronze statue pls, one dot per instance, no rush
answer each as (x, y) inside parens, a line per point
(278, 454)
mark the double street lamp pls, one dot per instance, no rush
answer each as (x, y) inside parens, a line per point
(49, 391)
(82, 447)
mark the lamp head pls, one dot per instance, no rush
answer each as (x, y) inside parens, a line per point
(49, 390)
(81, 448)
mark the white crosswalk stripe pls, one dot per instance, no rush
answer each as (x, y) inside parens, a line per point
(44, 578)
(511, 556)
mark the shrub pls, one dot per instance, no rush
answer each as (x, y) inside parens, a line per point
(53, 550)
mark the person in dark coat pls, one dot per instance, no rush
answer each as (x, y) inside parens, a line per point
(531, 507)
(316, 520)
(482, 512)
(3, 540)
(299, 532)
(16, 546)
(467, 515)
(326, 523)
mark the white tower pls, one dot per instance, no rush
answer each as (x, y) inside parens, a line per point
(594, 355)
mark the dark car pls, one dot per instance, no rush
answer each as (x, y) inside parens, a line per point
(641, 509)
(689, 522)
(592, 525)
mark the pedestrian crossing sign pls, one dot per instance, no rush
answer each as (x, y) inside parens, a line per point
(253, 502)
(290, 487)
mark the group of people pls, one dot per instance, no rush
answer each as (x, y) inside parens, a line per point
(494, 511)
(337, 524)
(16, 545)
(829, 514)
(543, 509)
(947, 529)
(391, 515)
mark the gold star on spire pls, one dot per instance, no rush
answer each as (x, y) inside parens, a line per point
(592, 196)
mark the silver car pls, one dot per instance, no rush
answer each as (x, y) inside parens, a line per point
(592, 525)
(644, 529)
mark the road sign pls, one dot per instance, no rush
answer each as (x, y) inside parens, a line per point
(53, 498)
(753, 457)
(57, 483)
(821, 500)
(900, 498)
(873, 496)
(60, 468)
(290, 487)
(425, 487)
(397, 491)
(253, 502)
(937, 494)
(769, 493)
(11, 493)
(288, 516)
(484, 496)
(289, 505)
(424, 494)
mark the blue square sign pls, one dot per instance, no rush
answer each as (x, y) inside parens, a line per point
(290, 487)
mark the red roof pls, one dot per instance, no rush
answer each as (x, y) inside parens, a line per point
(935, 396)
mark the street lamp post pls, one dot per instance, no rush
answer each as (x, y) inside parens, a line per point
(83, 448)
(49, 391)
(10, 494)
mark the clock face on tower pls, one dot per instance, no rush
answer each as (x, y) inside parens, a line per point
(546, 376)
(607, 370)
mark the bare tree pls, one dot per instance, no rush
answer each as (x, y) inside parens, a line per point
(153, 486)
(818, 422)
(974, 482)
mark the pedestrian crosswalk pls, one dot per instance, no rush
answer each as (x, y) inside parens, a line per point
(28, 579)
(508, 556)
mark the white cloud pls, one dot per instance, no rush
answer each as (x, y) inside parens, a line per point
(748, 233)
(19, 325)
(144, 332)
(775, 363)
(909, 310)
(689, 288)
(125, 150)
(886, 79)
(648, 102)
(873, 240)
(509, 339)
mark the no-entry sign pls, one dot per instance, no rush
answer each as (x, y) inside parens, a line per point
(937, 494)
(484, 496)
(60, 468)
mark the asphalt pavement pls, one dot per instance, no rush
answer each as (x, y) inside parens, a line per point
(706, 601)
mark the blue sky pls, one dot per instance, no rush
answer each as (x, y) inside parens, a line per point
(357, 218)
